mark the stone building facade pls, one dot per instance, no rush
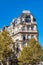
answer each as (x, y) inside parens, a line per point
(23, 29)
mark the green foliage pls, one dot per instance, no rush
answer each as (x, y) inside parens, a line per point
(5, 41)
(31, 54)
(41, 56)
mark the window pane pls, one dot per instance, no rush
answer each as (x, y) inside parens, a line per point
(24, 36)
(32, 36)
(23, 28)
(28, 37)
(32, 27)
(27, 19)
(28, 27)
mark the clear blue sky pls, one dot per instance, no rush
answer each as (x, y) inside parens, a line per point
(10, 9)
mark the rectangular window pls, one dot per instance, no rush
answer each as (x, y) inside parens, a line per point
(23, 44)
(28, 37)
(23, 28)
(32, 36)
(24, 37)
(32, 27)
(28, 27)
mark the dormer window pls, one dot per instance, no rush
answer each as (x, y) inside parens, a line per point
(27, 19)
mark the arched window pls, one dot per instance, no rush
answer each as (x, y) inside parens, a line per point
(27, 19)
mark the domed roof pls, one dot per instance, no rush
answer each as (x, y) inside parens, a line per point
(25, 11)
(24, 14)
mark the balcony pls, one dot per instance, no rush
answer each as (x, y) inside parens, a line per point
(29, 31)
(25, 31)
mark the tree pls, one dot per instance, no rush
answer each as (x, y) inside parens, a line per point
(5, 45)
(42, 56)
(31, 54)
